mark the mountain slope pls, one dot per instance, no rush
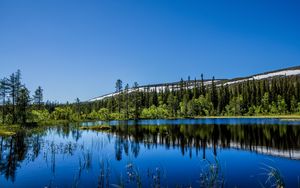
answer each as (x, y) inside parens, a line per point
(192, 83)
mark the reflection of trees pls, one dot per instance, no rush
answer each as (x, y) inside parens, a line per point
(13, 151)
(26, 145)
(187, 137)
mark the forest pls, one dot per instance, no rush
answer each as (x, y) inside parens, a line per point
(267, 97)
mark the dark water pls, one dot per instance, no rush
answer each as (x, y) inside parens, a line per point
(155, 153)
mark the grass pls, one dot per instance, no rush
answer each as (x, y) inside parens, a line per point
(285, 117)
(6, 133)
(52, 122)
(274, 177)
(212, 174)
(9, 130)
(96, 128)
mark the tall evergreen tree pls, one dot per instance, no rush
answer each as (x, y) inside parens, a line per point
(214, 94)
(126, 101)
(119, 86)
(3, 94)
(136, 100)
(203, 91)
(23, 104)
(38, 97)
(14, 89)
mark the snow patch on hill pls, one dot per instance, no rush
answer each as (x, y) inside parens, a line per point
(191, 85)
(267, 75)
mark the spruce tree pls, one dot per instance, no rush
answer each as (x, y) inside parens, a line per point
(3, 94)
(23, 101)
(214, 94)
(119, 87)
(38, 97)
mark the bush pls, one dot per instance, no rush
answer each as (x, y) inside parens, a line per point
(155, 112)
(40, 115)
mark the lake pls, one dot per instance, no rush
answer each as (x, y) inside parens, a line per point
(229, 152)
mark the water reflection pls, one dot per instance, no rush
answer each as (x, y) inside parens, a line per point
(279, 140)
(27, 145)
(129, 139)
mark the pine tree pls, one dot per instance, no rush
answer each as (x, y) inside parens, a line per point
(3, 94)
(126, 101)
(14, 89)
(203, 90)
(195, 89)
(23, 101)
(136, 100)
(265, 103)
(214, 94)
(119, 87)
(294, 105)
(38, 97)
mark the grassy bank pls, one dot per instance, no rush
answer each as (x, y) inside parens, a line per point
(9, 130)
(97, 128)
(257, 116)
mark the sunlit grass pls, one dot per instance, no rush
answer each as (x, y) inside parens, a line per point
(97, 127)
(9, 130)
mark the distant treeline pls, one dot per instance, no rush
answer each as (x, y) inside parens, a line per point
(274, 96)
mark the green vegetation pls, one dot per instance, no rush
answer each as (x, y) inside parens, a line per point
(96, 127)
(6, 133)
(274, 177)
(276, 97)
(19, 109)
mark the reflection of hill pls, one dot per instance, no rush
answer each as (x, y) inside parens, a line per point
(277, 140)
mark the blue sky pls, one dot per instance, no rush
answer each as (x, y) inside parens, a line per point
(79, 49)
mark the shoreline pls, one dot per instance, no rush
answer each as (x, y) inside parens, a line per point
(10, 130)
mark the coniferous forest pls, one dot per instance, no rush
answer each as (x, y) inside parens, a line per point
(149, 94)
(277, 96)
(267, 97)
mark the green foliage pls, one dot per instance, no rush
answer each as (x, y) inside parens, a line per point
(155, 112)
(294, 105)
(117, 116)
(255, 110)
(172, 104)
(64, 113)
(199, 107)
(298, 108)
(274, 109)
(235, 106)
(265, 103)
(184, 105)
(103, 114)
(40, 115)
(23, 100)
(262, 97)
(281, 105)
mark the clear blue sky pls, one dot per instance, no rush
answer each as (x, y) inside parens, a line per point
(78, 48)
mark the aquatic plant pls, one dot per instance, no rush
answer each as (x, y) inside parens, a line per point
(212, 175)
(104, 177)
(273, 175)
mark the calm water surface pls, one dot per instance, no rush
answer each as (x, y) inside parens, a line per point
(153, 153)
